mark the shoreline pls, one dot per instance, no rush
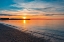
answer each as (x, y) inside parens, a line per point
(9, 34)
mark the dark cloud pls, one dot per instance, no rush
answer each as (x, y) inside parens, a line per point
(44, 9)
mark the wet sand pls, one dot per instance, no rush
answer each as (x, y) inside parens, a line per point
(9, 34)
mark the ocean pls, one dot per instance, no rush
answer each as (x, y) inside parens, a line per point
(47, 29)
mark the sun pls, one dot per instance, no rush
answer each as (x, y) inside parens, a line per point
(24, 17)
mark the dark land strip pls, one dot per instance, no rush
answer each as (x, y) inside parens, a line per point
(9, 34)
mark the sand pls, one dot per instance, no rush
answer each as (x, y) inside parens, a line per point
(9, 34)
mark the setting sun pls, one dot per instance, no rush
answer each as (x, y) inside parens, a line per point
(24, 17)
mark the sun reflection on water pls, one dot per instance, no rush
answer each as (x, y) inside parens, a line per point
(24, 25)
(24, 21)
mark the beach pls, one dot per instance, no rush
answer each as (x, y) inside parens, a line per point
(9, 34)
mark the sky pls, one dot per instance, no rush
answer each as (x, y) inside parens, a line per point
(32, 7)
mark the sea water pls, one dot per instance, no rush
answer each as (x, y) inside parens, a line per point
(47, 29)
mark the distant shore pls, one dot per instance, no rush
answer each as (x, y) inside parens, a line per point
(28, 19)
(12, 19)
(9, 34)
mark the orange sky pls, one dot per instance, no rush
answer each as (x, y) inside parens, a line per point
(35, 17)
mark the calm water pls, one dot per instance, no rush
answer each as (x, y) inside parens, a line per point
(47, 29)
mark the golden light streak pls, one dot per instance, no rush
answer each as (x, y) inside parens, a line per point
(24, 26)
(24, 21)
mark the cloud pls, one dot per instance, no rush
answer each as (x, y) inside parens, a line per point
(36, 7)
(21, 12)
(39, 5)
(33, 4)
(25, 12)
